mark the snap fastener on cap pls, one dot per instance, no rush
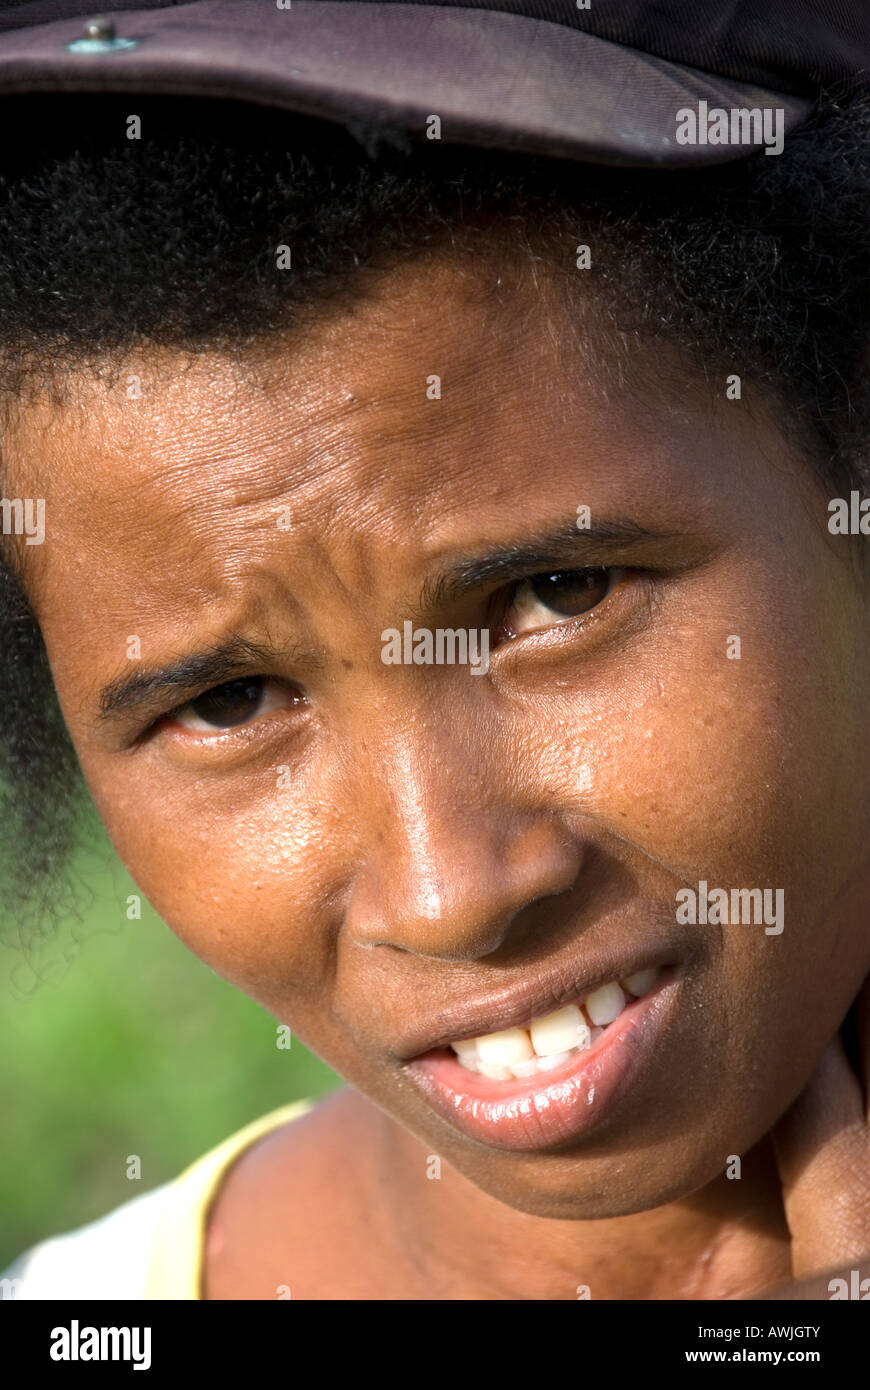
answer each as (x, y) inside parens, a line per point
(100, 36)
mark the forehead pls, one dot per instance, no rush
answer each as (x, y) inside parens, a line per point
(163, 419)
(393, 414)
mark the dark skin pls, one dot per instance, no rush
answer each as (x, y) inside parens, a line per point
(382, 842)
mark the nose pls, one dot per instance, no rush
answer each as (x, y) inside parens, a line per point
(451, 859)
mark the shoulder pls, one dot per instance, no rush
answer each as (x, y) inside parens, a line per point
(295, 1211)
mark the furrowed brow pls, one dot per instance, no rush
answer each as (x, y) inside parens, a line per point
(205, 668)
(566, 546)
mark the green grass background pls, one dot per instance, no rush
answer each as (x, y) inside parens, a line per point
(118, 1041)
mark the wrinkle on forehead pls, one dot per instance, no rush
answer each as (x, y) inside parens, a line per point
(335, 409)
(502, 291)
(294, 411)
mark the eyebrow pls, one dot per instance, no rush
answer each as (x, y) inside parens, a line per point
(211, 666)
(565, 546)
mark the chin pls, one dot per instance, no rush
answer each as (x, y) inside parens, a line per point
(597, 1189)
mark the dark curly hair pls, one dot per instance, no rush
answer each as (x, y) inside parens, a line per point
(760, 266)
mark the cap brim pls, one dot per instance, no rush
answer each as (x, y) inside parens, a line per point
(492, 78)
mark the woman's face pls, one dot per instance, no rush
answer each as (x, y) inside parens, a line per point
(389, 856)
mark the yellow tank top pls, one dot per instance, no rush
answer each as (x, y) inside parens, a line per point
(178, 1252)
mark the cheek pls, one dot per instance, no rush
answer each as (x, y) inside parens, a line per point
(746, 773)
(245, 891)
(749, 765)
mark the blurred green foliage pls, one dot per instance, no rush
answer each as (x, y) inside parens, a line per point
(118, 1041)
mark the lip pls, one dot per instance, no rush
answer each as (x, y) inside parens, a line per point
(541, 1112)
(517, 1007)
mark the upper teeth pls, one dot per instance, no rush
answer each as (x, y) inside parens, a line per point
(549, 1040)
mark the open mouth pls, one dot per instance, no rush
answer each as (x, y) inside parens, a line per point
(551, 1040)
(557, 1078)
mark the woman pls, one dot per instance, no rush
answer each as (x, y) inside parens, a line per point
(447, 594)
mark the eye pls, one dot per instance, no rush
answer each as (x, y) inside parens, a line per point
(547, 600)
(234, 703)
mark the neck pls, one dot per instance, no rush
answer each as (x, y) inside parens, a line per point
(728, 1240)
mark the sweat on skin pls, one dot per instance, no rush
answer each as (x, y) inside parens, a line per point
(445, 842)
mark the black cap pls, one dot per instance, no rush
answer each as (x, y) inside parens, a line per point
(669, 83)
